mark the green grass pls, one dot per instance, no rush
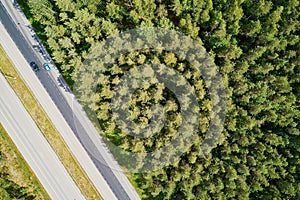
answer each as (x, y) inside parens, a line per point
(47, 128)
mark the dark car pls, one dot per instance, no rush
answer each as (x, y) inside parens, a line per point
(34, 66)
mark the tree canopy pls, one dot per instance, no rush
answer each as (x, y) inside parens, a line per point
(254, 43)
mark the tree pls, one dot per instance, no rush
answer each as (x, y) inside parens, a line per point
(255, 47)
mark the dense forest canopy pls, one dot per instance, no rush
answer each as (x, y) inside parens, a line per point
(254, 43)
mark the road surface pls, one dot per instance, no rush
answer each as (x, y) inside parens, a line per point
(34, 147)
(54, 114)
(70, 110)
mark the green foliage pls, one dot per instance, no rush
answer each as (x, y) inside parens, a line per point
(255, 43)
(8, 188)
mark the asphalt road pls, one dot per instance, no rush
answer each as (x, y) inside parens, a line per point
(73, 114)
(34, 147)
(54, 114)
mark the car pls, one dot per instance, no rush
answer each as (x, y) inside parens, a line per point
(34, 66)
(47, 67)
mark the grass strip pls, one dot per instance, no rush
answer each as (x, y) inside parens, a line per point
(47, 128)
(18, 170)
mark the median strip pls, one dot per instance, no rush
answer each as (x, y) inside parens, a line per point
(47, 128)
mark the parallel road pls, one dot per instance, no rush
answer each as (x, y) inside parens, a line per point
(54, 114)
(73, 114)
(34, 147)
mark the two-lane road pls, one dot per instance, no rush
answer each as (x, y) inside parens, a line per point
(34, 147)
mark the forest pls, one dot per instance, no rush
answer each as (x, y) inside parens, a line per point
(254, 44)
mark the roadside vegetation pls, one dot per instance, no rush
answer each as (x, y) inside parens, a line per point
(17, 181)
(255, 44)
(47, 128)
